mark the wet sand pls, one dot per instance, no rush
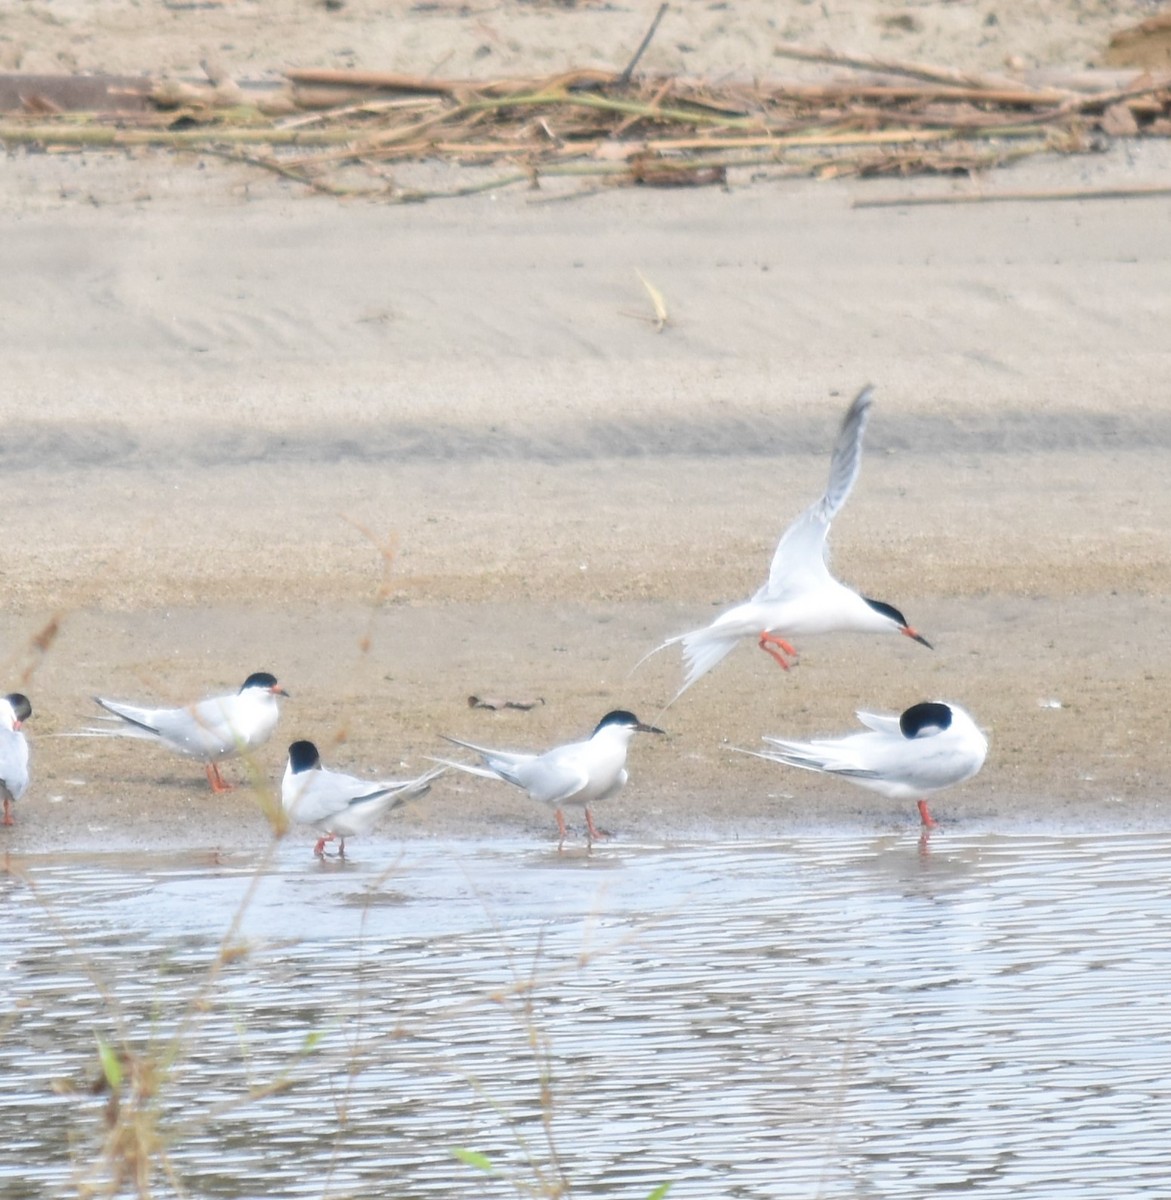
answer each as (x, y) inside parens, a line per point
(226, 402)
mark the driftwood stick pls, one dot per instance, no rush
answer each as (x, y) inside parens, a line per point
(877, 137)
(383, 80)
(1120, 95)
(392, 82)
(814, 93)
(627, 71)
(107, 135)
(629, 107)
(656, 100)
(287, 171)
(914, 70)
(360, 108)
(1126, 192)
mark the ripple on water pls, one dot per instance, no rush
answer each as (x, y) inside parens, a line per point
(829, 1017)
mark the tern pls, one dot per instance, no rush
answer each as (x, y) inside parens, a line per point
(929, 747)
(15, 709)
(800, 596)
(209, 730)
(337, 805)
(578, 773)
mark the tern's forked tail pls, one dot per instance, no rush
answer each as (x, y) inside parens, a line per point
(702, 650)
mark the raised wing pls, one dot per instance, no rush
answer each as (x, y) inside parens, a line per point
(880, 723)
(799, 560)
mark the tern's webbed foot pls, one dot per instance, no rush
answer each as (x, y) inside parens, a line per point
(777, 648)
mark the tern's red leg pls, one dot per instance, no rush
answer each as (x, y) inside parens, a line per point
(925, 817)
(8, 818)
(594, 833)
(319, 849)
(771, 644)
(217, 781)
(560, 828)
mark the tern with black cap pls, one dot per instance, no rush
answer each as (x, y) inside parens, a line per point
(337, 805)
(929, 747)
(210, 730)
(578, 773)
(800, 596)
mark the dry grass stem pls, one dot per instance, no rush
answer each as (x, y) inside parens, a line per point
(647, 131)
(657, 300)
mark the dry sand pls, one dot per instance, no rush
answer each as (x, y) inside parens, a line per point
(223, 396)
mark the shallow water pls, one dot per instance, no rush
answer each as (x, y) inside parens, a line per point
(834, 1017)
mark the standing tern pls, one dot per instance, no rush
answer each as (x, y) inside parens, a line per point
(929, 747)
(800, 596)
(15, 709)
(337, 805)
(209, 730)
(578, 773)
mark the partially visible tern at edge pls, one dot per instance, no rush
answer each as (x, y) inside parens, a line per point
(15, 709)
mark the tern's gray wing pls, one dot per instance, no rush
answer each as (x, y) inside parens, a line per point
(923, 764)
(551, 782)
(555, 776)
(202, 728)
(555, 782)
(138, 721)
(861, 755)
(324, 794)
(799, 560)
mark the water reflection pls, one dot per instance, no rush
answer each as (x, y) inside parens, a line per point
(831, 1017)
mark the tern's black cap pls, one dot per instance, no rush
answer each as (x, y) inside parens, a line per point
(260, 679)
(303, 756)
(929, 717)
(620, 716)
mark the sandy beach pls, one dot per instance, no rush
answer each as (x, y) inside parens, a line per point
(401, 456)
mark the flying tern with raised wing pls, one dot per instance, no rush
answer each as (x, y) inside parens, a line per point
(800, 596)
